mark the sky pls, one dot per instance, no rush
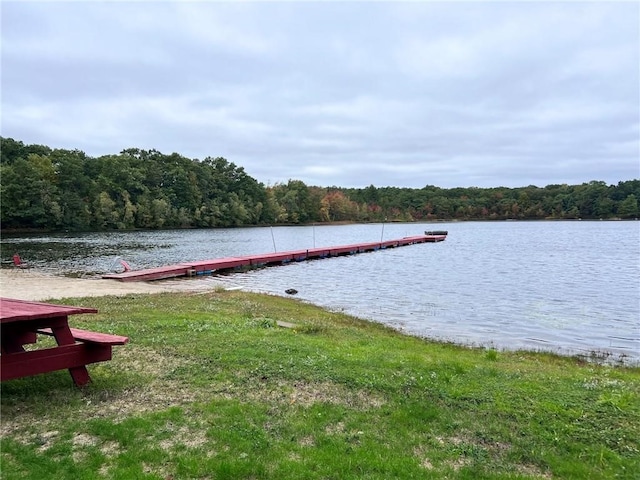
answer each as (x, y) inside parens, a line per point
(347, 94)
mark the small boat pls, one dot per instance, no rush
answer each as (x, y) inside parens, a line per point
(437, 232)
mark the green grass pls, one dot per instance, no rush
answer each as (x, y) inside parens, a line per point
(210, 387)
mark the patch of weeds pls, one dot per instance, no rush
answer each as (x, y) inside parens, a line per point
(312, 329)
(491, 355)
(618, 400)
(262, 322)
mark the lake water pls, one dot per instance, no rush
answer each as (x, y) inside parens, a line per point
(566, 287)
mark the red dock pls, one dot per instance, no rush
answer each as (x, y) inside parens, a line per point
(219, 265)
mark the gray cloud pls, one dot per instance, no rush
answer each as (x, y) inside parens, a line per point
(347, 94)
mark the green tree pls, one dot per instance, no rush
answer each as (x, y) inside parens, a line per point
(628, 208)
(106, 216)
(160, 212)
(29, 196)
(295, 198)
(76, 187)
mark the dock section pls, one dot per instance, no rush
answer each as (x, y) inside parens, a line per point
(221, 265)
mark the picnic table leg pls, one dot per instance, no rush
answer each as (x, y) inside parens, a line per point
(63, 336)
(10, 347)
(80, 376)
(13, 339)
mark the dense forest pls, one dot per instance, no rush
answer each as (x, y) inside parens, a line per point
(56, 189)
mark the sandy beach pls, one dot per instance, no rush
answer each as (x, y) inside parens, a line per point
(28, 284)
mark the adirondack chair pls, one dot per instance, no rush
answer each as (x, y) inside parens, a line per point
(17, 261)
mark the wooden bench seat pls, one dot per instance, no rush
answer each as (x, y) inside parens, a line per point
(91, 337)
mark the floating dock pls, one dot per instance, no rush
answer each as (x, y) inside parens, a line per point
(221, 265)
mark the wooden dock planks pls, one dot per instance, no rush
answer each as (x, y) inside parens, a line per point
(207, 267)
(159, 273)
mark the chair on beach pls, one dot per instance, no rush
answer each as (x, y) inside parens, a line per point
(17, 261)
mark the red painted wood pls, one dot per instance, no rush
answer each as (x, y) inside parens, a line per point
(318, 252)
(159, 273)
(218, 264)
(269, 258)
(389, 243)
(12, 310)
(45, 360)
(80, 375)
(13, 343)
(91, 337)
(21, 320)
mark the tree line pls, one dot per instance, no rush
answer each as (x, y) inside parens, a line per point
(57, 189)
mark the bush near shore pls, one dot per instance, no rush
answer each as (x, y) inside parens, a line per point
(235, 385)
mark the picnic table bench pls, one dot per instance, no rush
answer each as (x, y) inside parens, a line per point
(21, 322)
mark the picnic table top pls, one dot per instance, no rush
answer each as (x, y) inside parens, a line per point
(12, 310)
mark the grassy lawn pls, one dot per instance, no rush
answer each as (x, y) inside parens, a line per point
(210, 387)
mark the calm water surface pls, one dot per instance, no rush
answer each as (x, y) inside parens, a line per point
(566, 287)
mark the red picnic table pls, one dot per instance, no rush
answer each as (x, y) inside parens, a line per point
(21, 322)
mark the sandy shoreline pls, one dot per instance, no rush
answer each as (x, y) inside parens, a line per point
(28, 284)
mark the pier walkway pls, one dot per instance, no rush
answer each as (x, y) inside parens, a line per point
(220, 265)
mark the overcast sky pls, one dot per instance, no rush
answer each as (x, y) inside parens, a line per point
(349, 94)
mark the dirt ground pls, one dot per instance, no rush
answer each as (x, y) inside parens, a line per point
(29, 284)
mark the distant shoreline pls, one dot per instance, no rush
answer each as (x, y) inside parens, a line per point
(18, 231)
